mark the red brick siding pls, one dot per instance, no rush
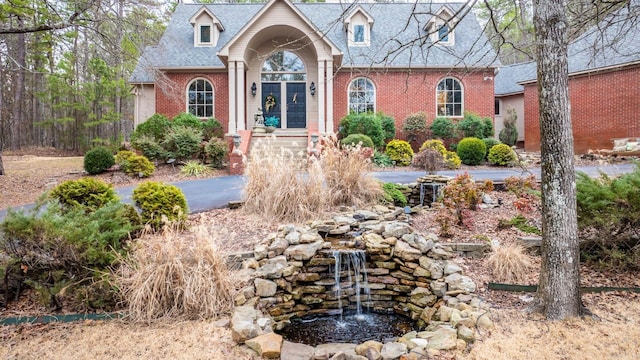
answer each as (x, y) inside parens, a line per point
(603, 106)
(171, 94)
(400, 93)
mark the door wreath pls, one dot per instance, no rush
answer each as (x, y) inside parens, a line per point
(270, 102)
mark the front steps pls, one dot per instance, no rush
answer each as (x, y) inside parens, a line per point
(294, 140)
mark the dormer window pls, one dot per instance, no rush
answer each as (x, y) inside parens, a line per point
(205, 34)
(206, 28)
(441, 27)
(358, 26)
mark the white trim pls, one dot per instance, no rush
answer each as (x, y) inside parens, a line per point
(375, 93)
(329, 70)
(461, 97)
(213, 97)
(320, 97)
(232, 98)
(240, 88)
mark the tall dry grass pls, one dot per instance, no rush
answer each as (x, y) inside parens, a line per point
(510, 263)
(282, 186)
(177, 274)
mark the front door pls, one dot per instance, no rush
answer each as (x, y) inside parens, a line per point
(296, 105)
(290, 103)
(272, 91)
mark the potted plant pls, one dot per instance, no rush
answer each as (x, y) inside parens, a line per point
(271, 123)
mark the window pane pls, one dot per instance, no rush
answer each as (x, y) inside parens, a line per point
(200, 98)
(443, 33)
(358, 33)
(205, 34)
(361, 95)
(449, 98)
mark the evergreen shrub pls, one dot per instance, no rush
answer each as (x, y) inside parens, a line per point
(86, 193)
(157, 200)
(155, 127)
(443, 128)
(400, 151)
(355, 139)
(502, 155)
(138, 166)
(182, 142)
(471, 151)
(216, 151)
(98, 160)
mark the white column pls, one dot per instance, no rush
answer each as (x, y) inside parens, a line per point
(232, 98)
(330, 96)
(240, 89)
(320, 97)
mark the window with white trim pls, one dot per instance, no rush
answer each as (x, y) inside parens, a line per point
(449, 98)
(362, 96)
(200, 98)
(205, 36)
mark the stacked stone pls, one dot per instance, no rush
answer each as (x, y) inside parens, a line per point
(412, 190)
(408, 273)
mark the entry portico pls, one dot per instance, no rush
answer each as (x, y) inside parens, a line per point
(288, 60)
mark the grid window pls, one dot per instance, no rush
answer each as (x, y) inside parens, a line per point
(200, 98)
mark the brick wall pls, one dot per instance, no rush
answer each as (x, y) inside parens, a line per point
(171, 94)
(400, 93)
(603, 106)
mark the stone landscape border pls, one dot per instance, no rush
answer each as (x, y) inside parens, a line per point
(409, 274)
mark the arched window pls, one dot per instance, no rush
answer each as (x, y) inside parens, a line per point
(362, 96)
(283, 66)
(200, 98)
(449, 98)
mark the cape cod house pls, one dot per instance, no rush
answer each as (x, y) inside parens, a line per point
(309, 64)
(604, 86)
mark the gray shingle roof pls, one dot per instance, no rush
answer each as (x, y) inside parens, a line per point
(397, 37)
(615, 41)
(507, 79)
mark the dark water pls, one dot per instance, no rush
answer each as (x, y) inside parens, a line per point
(351, 329)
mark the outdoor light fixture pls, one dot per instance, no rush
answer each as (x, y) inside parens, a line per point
(314, 140)
(254, 89)
(312, 88)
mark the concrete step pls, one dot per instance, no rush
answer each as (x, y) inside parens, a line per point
(294, 142)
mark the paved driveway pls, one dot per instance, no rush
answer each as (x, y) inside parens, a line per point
(215, 193)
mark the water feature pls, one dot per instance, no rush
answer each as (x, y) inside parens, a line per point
(351, 263)
(353, 296)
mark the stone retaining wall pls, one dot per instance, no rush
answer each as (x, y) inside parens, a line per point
(408, 273)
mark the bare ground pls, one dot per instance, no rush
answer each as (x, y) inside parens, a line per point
(613, 333)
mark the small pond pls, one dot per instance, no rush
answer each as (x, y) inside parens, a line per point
(350, 328)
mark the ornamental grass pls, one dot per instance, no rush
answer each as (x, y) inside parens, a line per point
(510, 263)
(177, 275)
(283, 186)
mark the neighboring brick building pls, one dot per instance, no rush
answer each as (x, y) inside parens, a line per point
(309, 64)
(604, 86)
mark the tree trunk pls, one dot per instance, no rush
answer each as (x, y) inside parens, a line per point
(18, 90)
(559, 286)
(1, 166)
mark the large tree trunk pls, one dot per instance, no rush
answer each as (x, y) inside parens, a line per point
(1, 166)
(559, 288)
(18, 90)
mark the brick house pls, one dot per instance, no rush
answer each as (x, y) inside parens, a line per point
(309, 64)
(604, 84)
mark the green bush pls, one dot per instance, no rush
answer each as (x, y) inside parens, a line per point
(472, 125)
(381, 159)
(435, 144)
(388, 125)
(502, 155)
(158, 200)
(355, 139)
(364, 123)
(124, 155)
(393, 195)
(509, 134)
(138, 166)
(149, 147)
(452, 160)
(187, 120)
(154, 127)
(216, 151)
(443, 128)
(212, 128)
(194, 168)
(471, 151)
(182, 142)
(414, 125)
(400, 151)
(87, 193)
(489, 143)
(66, 251)
(98, 160)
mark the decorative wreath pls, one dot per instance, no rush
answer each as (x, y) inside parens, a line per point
(270, 102)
